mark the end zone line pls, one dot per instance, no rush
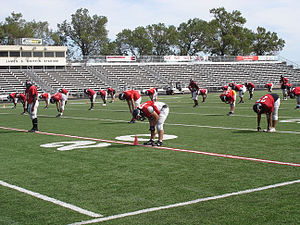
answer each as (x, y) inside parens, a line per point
(142, 211)
(162, 147)
(49, 199)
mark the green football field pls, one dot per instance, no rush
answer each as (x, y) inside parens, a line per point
(212, 169)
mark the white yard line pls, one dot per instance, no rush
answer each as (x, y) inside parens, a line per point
(49, 199)
(142, 211)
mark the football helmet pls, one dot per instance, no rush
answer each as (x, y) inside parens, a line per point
(257, 107)
(292, 95)
(28, 84)
(52, 100)
(122, 96)
(223, 98)
(138, 114)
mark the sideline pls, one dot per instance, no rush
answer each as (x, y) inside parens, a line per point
(162, 147)
(142, 211)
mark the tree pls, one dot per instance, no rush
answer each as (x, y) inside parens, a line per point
(225, 31)
(267, 43)
(163, 38)
(192, 36)
(87, 33)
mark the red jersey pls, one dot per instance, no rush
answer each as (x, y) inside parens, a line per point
(22, 97)
(239, 87)
(45, 95)
(64, 91)
(296, 91)
(102, 93)
(232, 84)
(225, 87)
(230, 94)
(12, 95)
(250, 85)
(90, 92)
(193, 86)
(203, 91)
(145, 107)
(110, 90)
(267, 102)
(268, 85)
(132, 94)
(151, 91)
(30, 93)
(57, 97)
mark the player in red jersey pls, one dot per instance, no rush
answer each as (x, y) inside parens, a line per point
(112, 94)
(92, 96)
(22, 99)
(194, 88)
(269, 105)
(283, 82)
(12, 97)
(152, 93)
(295, 92)
(224, 88)
(60, 100)
(64, 92)
(133, 99)
(33, 103)
(46, 97)
(269, 86)
(250, 87)
(229, 97)
(157, 113)
(203, 92)
(241, 89)
(103, 95)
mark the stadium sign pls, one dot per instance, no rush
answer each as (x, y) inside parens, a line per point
(186, 58)
(120, 58)
(33, 61)
(256, 58)
(31, 41)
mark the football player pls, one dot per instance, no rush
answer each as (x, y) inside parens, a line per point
(33, 103)
(46, 97)
(103, 95)
(133, 99)
(269, 105)
(203, 92)
(64, 92)
(152, 93)
(92, 96)
(250, 87)
(22, 99)
(60, 100)
(12, 97)
(157, 113)
(283, 82)
(241, 89)
(229, 97)
(112, 94)
(194, 88)
(295, 92)
(269, 86)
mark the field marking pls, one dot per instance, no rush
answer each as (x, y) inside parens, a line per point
(49, 199)
(162, 147)
(142, 211)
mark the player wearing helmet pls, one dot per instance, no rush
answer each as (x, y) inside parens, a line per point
(112, 94)
(22, 99)
(46, 97)
(250, 87)
(60, 100)
(194, 88)
(12, 97)
(203, 92)
(157, 113)
(92, 96)
(33, 103)
(269, 86)
(103, 95)
(152, 93)
(133, 99)
(295, 93)
(283, 82)
(229, 97)
(269, 105)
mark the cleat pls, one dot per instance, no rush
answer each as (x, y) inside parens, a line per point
(157, 144)
(33, 130)
(131, 121)
(150, 142)
(230, 114)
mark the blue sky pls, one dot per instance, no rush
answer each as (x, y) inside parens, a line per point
(280, 16)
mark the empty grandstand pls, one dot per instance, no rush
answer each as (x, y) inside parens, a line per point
(47, 67)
